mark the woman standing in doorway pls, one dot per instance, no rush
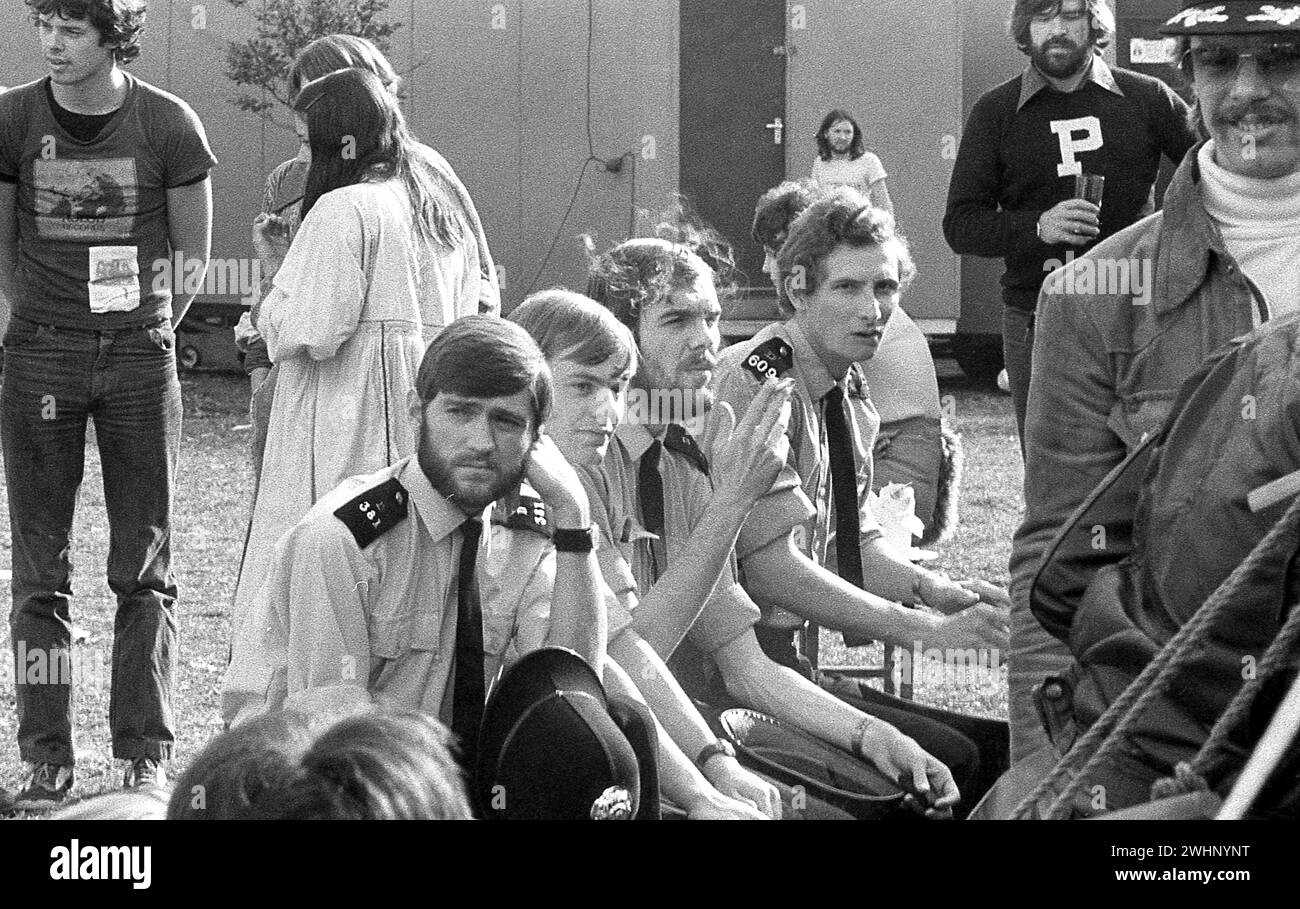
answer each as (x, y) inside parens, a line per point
(842, 159)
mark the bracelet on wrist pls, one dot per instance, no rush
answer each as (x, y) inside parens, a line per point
(860, 735)
(712, 750)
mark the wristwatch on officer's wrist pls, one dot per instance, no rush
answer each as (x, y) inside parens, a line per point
(574, 540)
(712, 750)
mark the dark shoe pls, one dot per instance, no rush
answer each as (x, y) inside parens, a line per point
(145, 773)
(48, 788)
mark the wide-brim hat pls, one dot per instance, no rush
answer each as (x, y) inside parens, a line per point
(553, 747)
(1233, 17)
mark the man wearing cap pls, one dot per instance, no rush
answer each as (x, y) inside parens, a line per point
(656, 485)
(1012, 189)
(1223, 256)
(375, 595)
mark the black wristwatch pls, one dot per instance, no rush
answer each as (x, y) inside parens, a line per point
(721, 746)
(574, 540)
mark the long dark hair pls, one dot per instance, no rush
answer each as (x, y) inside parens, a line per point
(333, 52)
(357, 132)
(856, 150)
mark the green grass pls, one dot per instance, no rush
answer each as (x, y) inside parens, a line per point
(212, 503)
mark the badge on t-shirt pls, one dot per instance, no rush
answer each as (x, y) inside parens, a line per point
(114, 284)
(770, 360)
(375, 512)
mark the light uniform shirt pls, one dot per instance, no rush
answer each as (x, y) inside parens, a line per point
(781, 349)
(626, 557)
(349, 618)
(516, 604)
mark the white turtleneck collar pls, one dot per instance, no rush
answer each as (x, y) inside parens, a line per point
(1260, 223)
(1247, 203)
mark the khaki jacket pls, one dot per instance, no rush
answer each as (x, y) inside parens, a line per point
(1107, 365)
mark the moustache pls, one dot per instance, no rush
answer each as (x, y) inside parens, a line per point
(1230, 113)
(489, 464)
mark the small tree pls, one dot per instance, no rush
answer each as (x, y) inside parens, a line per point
(284, 28)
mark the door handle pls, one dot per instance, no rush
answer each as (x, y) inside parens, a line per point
(778, 129)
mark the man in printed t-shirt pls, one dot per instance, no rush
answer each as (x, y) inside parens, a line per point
(103, 184)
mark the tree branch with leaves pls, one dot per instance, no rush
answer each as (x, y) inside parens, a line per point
(284, 28)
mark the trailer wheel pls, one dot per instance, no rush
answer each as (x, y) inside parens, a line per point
(189, 357)
(979, 356)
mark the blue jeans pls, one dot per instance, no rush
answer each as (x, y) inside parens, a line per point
(54, 380)
(1017, 356)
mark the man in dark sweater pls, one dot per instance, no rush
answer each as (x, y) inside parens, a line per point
(1068, 113)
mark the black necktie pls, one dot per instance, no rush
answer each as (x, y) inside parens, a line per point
(650, 493)
(679, 440)
(468, 692)
(844, 488)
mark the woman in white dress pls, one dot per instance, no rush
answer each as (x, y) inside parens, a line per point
(382, 261)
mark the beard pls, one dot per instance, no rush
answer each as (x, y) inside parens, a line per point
(679, 396)
(470, 496)
(1065, 67)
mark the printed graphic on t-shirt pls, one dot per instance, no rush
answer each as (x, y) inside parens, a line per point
(85, 201)
(114, 284)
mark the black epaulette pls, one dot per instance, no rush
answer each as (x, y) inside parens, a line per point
(524, 510)
(375, 512)
(770, 360)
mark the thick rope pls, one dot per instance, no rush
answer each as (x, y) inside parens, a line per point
(1191, 776)
(1215, 753)
(1106, 736)
(1276, 659)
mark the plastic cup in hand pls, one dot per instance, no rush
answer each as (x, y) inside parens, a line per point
(1089, 187)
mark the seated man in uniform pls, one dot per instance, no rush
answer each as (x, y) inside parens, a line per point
(592, 357)
(843, 269)
(367, 602)
(374, 596)
(913, 446)
(658, 492)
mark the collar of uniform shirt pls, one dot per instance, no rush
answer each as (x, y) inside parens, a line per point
(438, 516)
(817, 381)
(1033, 81)
(636, 438)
